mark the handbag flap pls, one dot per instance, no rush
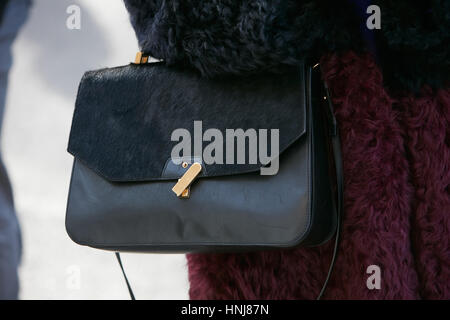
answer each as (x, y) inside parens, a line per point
(125, 116)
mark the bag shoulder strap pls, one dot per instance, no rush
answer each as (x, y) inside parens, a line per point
(339, 171)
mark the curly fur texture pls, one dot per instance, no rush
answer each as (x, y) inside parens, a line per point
(229, 37)
(220, 37)
(414, 43)
(427, 123)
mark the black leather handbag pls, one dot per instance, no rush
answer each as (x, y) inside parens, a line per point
(127, 193)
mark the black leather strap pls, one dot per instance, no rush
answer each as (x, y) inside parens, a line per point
(337, 155)
(125, 276)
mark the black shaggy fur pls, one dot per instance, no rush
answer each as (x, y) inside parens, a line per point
(125, 116)
(415, 43)
(220, 37)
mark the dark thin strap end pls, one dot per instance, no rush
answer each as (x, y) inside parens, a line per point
(125, 276)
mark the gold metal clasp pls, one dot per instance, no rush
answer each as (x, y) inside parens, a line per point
(181, 189)
(141, 58)
(186, 193)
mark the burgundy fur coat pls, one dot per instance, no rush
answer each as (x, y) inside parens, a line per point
(390, 89)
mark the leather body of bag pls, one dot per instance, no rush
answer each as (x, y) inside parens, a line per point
(121, 196)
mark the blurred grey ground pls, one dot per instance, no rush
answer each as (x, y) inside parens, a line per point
(49, 62)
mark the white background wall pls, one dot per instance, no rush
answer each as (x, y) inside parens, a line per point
(49, 62)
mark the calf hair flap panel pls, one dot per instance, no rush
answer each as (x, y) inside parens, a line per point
(125, 116)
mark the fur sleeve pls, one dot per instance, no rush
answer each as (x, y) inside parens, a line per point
(219, 37)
